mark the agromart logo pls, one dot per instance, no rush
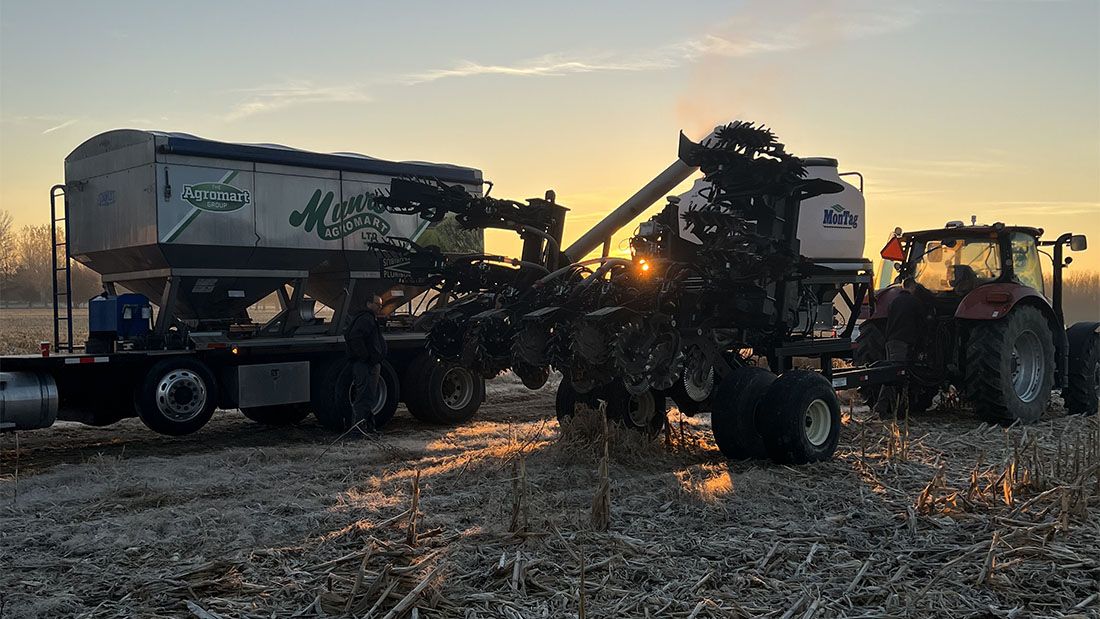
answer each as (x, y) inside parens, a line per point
(335, 221)
(216, 197)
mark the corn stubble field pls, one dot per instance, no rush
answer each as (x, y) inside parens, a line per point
(513, 516)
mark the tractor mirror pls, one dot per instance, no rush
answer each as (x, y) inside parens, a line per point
(1078, 242)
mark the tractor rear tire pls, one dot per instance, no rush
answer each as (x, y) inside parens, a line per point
(443, 393)
(1010, 367)
(870, 347)
(800, 418)
(278, 415)
(1082, 392)
(733, 414)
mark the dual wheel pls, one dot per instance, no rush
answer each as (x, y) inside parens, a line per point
(178, 396)
(791, 419)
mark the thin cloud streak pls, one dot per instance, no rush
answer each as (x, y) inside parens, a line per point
(790, 28)
(270, 98)
(808, 28)
(67, 123)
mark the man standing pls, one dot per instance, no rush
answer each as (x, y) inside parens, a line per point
(904, 325)
(366, 349)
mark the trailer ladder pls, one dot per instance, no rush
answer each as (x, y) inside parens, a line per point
(61, 294)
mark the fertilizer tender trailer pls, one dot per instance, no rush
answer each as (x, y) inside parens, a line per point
(206, 229)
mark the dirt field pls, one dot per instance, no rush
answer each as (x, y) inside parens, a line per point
(953, 518)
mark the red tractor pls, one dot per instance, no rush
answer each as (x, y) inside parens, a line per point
(991, 330)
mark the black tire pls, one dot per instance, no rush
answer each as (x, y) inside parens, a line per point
(733, 414)
(990, 385)
(443, 393)
(279, 414)
(333, 393)
(565, 400)
(646, 412)
(1082, 392)
(411, 375)
(800, 418)
(870, 346)
(176, 397)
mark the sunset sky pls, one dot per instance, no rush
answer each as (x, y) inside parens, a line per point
(949, 108)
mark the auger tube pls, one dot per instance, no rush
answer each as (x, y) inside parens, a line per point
(645, 197)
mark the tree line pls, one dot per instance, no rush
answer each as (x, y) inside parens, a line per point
(26, 268)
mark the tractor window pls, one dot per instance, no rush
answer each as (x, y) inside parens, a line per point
(1025, 261)
(957, 265)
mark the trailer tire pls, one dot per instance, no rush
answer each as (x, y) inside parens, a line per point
(566, 399)
(800, 418)
(1082, 392)
(645, 412)
(333, 395)
(870, 347)
(1006, 357)
(443, 393)
(176, 397)
(733, 413)
(279, 414)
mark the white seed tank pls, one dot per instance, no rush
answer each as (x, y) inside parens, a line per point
(830, 227)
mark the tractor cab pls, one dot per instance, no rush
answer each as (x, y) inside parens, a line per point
(952, 262)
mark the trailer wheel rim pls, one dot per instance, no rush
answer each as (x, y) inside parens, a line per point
(457, 387)
(818, 422)
(181, 395)
(641, 409)
(1027, 366)
(381, 390)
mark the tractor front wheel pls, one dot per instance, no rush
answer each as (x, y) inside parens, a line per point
(1010, 367)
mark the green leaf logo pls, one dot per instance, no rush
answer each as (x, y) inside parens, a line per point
(216, 197)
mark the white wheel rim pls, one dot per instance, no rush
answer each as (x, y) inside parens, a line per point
(818, 422)
(181, 395)
(1027, 366)
(641, 409)
(457, 387)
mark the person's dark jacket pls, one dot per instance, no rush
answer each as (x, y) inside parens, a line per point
(364, 339)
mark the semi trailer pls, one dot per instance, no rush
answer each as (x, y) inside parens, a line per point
(187, 234)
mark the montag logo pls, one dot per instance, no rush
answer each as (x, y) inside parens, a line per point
(355, 213)
(216, 197)
(836, 216)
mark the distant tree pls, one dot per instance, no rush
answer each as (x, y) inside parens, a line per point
(7, 247)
